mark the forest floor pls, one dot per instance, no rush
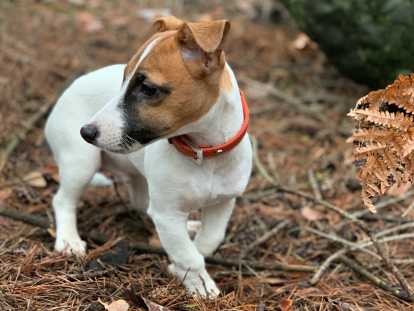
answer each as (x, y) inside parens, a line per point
(298, 105)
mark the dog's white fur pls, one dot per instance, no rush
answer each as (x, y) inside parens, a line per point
(162, 180)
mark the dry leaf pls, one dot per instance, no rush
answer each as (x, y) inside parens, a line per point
(89, 22)
(154, 240)
(35, 179)
(384, 139)
(311, 214)
(272, 281)
(118, 305)
(152, 306)
(286, 305)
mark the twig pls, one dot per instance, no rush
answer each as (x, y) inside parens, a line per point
(279, 266)
(145, 248)
(21, 135)
(27, 126)
(408, 210)
(24, 217)
(384, 204)
(394, 229)
(314, 184)
(335, 238)
(374, 279)
(357, 246)
(389, 264)
(257, 194)
(264, 238)
(325, 265)
(259, 164)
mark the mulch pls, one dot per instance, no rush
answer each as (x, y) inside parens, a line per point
(303, 188)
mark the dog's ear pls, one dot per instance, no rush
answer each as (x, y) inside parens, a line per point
(166, 23)
(201, 44)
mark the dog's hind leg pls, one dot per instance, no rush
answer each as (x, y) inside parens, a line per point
(138, 192)
(75, 171)
(214, 221)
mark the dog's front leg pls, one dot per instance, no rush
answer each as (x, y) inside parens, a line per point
(214, 221)
(187, 263)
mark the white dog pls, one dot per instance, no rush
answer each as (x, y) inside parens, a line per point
(151, 121)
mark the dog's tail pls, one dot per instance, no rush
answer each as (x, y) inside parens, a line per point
(100, 180)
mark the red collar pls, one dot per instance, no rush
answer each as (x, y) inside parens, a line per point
(183, 143)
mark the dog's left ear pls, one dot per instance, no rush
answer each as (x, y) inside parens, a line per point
(201, 45)
(167, 23)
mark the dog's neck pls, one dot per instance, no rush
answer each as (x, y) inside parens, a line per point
(223, 120)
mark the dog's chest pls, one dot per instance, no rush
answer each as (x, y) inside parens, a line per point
(216, 184)
(193, 186)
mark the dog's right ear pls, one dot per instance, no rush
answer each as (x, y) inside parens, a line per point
(167, 23)
(201, 46)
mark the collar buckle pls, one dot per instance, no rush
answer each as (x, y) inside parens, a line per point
(198, 153)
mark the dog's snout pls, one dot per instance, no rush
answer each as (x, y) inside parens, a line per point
(89, 133)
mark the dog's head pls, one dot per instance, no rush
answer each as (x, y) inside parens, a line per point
(172, 81)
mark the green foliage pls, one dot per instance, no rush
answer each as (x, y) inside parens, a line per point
(371, 41)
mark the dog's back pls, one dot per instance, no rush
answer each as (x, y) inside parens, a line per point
(80, 102)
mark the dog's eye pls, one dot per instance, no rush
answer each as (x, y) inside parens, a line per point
(148, 91)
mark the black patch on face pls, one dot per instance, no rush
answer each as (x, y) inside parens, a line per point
(139, 134)
(140, 92)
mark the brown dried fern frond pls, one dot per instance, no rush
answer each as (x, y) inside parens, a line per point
(384, 138)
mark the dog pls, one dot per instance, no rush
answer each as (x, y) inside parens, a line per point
(173, 122)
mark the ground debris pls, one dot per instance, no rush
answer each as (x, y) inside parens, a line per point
(299, 124)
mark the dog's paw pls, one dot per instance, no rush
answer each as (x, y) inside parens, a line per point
(197, 283)
(70, 247)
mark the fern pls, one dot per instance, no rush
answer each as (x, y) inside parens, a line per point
(384, 138)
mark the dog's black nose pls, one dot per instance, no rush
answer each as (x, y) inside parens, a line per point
(89, 133)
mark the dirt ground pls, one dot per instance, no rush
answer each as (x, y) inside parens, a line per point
(298, 105)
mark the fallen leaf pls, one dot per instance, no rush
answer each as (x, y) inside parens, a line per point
(35, 179)
(154, 241)
(311, 214)
(152, 306)
(118, 305)
(89, 22)
(5, 193)
(273, 281)
(286, 304)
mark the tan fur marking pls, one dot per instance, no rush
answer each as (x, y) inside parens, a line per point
(189, 100)
(190, 63)
(167, 23)
(129, 69)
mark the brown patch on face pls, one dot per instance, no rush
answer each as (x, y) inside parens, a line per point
(177, 82)
(129, 69)
(189, 99)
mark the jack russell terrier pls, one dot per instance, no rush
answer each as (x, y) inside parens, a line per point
(173, 122)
